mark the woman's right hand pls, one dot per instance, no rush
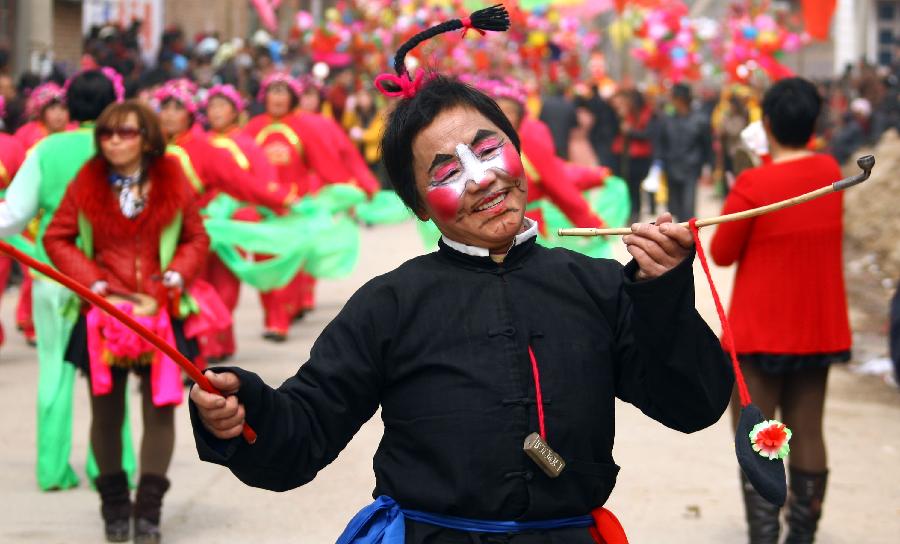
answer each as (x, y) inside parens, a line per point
(223, 416)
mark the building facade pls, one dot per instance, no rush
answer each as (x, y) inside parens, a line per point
(40, 31)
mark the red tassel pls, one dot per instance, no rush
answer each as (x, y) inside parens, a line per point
(727, 337)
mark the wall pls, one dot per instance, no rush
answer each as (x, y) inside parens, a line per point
(230, 17)
(67, 33)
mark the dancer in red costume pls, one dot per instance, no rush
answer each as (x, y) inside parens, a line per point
(223, 106)
(308, 151)
(46, 107)
(12, 154)
(210, 169)
(548, 175)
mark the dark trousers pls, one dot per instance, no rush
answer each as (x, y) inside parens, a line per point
(682, 198)
(634, 170)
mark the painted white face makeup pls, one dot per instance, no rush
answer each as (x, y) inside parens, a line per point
(472, 164)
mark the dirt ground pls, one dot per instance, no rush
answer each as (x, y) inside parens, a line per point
(871, 223)
(673, 488)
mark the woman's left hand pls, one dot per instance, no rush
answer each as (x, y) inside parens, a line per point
(659, 247)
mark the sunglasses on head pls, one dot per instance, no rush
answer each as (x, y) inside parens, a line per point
(124, 133)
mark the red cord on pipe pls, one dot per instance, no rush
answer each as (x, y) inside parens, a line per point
(727, 337)
(538, 397)
(95, 299)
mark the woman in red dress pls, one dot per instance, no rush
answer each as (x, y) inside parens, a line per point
(788, 308)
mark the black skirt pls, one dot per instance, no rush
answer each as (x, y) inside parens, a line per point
(784, 363)
(77, 350)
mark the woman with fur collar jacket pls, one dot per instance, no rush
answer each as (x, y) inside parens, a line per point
(129, 227)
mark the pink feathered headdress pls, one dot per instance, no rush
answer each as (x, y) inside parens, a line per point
(501, 88)
(279, 77)
(228, 92)
(114, 77)
(41, 97)
(181, 90)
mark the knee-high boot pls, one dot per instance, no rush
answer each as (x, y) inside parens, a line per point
(147, 508)
(804, 508)
(763, 525)
(115, 505)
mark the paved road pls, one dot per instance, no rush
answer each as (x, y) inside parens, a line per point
(673, 488)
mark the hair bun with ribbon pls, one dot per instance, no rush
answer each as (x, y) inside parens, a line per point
(494, 18)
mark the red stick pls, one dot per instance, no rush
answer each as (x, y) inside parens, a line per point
(89, 296)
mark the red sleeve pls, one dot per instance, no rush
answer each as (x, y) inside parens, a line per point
(729, 240)
(60, 244)
(558, 188)
(193, 244)
(12, 155)
(359, 170)
(331, 155)
(223, 173)
(586, 177)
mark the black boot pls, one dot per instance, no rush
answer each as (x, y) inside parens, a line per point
(147, 506)
(804, 508)
(763, 525)
(115, 505)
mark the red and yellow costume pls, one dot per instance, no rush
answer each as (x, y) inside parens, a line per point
(211, 170)
(252, 160)
(322, 155)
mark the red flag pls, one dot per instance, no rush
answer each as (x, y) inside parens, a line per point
(817, 17)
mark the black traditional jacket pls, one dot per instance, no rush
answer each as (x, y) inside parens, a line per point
(441, 344)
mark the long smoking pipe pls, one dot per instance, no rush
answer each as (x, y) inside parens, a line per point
(865, 163)
(93, 298)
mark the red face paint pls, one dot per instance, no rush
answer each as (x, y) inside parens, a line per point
(444, 201)
(513, 161)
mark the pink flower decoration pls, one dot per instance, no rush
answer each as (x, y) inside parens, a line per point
(770, 439)
(228, 92)
(180, 90)
(110, 73)
(42, 96)
(279, 77)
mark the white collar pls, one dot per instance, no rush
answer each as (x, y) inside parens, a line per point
(529, 233)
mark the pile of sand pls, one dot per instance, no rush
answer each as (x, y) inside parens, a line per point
(872, 235)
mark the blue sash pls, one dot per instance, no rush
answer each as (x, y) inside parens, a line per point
(383, 522)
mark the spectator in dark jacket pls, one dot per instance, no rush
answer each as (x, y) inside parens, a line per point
(558, 113)
(685, 147)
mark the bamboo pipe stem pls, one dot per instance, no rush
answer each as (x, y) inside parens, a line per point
(865, 163)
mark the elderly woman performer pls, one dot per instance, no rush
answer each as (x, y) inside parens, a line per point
(476, 347)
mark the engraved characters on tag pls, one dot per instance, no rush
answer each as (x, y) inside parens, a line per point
(542, 454)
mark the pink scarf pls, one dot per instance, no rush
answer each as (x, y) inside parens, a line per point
(107, 337)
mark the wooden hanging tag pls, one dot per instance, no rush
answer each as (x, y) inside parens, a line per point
(542, 454)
